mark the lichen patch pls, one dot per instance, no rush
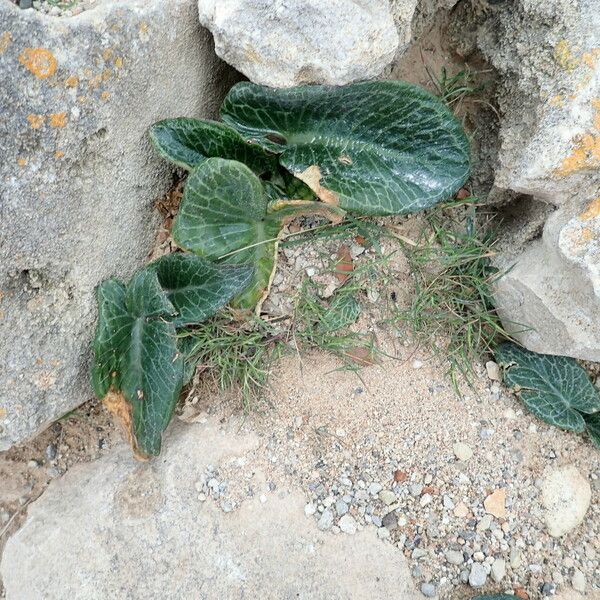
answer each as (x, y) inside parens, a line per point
(36, 121)
(39, 61)
(5, 40)
(592, 211)
(58, 119)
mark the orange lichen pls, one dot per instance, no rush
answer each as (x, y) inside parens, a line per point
(95, 82)
(107, 53)
(58, 119)
(105, 95)
(21, 161)
(40, 61)
(5, 40)
(143, 27)
(592, 211)
(118, 63)
(596, 107)
(71, 81)
(59, 154)
(587, 234)
(106, 74)
(35, 121)
(558, 100)
(2, 412)
(564, 56)
(585, 155)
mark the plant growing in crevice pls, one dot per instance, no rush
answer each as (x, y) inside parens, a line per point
(377, 148)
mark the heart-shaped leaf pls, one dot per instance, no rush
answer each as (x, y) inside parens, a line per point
(226, 215)
(377, 148)
(196, 287)
(555, 388)
(188, 142)
(137, 368)
(343, 311)
(592, 425)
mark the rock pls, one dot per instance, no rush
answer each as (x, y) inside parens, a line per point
(515, 558)
(495, 503)
(425, 499)
(390, 520)
(310, 509)
(326, 520)
(566, 496)
(461, 510)
(347, 524)
(387, 497)
(341, 508)
(477, 575)
(550, 156)
(428, 590)
(498, 570)
(282, 44)
(79, 179)
(454, 557)
(578, 581)
(484, 523)
(121, 522)
(493, 370)
(462, 451)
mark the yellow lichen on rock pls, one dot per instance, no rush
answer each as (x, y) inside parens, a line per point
(58, 119)
(72, 81)
(585, 155)
(5, 40)
(592, 211)
(36, 121)
(39, 61)
(564, 56)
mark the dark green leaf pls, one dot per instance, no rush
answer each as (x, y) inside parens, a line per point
(197, 287)
(112, 334)
(146, 298)
(188, 142)
(555, 388)
(378, 148)
(592, 425)
(151, 379)
(343, 311)
(226, 215)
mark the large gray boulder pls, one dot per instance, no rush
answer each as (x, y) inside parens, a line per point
(116, 528)
(282, 43)
(78, 178)
(548, 57)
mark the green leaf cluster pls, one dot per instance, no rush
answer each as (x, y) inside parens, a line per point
(376, 148)
(554, 388)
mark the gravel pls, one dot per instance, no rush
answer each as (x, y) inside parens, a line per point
(477, 575)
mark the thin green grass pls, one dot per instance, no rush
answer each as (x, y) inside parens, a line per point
(453, 307)
(235, 354)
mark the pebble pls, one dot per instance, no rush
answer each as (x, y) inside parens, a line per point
(425, 499)
(341, 508)
(428, 590)
(387, 497)
(462, 451)
(447, 502)
(33, 464)
(390, 521)
(454, 557)
(310, 509)
(493, 371)
(375, 488)
(498, 570)
(461, 510)
(485, 523)
(347, 524)
(495, 503)
(477, 575)
(578, 581)
(326, 521)
(51, 451)
(515, 558)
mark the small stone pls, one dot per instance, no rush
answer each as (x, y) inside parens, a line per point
(461, 510)
(425, 499)
(419, 553)
(347, 524)
(375, 488)
(495, 503)
(341, 508)
(447, 502)
(417, 364)
(415, 490)
(477, 575)
(485, 523)
(383, 533)
(310, 509)
(478, 556)
(428, 590)
(51, 451)
(4, 517)
(566, 496)
(578, 581)
(462, 451)
(387, 497)
(515, 558)
(33, 464)
(326, 521)
(454, 557)
(390, 521)
(262, 498)
(548, 589)
(498, 570)
(202, 497)
(493, 371)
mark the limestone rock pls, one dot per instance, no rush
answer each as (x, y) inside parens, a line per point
(550, 152)
(566, 496)
(78, 178)
(116, 528)
(285, 43)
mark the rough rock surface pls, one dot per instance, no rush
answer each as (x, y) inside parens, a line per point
(117, 528)
(566, 497)
(285, 43)
(78, 178)
(548, 58)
